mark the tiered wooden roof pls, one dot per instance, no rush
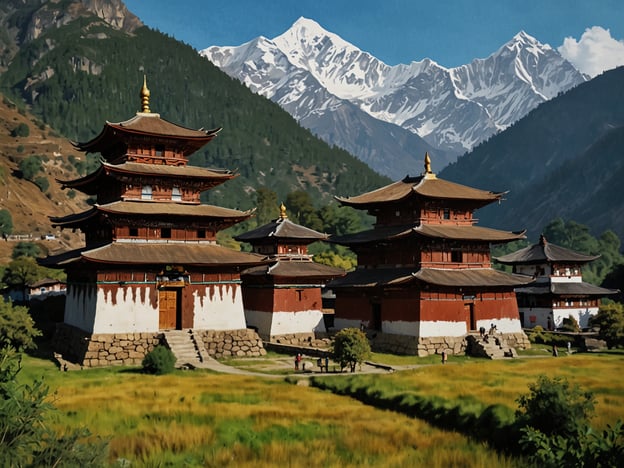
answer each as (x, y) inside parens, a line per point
(545, 252)
(197, 177)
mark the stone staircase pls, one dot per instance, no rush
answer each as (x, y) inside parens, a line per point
(187, 347)
(490, 346)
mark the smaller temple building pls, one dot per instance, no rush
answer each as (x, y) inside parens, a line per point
(559, 291)
(282, 298)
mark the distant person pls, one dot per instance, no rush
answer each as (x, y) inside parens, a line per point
(326, 364)
(444, 357)
(569, 348)
(555, 351)
(297, 361)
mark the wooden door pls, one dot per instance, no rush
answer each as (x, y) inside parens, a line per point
(168, 307)
(469, 316)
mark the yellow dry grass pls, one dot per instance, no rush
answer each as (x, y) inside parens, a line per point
(203, 419)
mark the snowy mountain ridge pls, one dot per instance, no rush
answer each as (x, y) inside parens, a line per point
(313, 73)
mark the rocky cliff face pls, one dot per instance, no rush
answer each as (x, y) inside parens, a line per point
(26, 20)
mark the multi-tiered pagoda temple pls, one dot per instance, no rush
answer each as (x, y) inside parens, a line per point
(151, 262)
(559, 291)
(282, 298)
(424, 278)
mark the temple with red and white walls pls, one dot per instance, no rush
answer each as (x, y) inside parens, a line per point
(282, 297)
(559, 291)
(151, 263)
(424, 279)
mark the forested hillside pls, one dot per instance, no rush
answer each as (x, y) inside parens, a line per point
(78, 75)
(564, 159)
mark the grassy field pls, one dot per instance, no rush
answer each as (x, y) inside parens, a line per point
(197, 418)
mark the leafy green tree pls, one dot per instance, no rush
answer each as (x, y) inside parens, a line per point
(350, 347)
(26, 439)
(22, 271)
(610, 320)
(555, 431)
(554, 407)
(17, 326)
(267, 207)
(6, 223)
(301, 209)
(26, 249)
(339, 220)
(30, 167)
(43, 183)
(22, 130)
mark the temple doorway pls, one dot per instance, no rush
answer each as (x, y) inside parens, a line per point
(169, 309)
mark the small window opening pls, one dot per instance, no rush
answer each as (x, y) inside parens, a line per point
(176, 194)
(165, 233)
(134, 232)
(146, 192)
(456, 256)
(447, 213)
(201, 233)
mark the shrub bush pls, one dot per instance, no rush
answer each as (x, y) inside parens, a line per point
(159, 361)
(350, 347)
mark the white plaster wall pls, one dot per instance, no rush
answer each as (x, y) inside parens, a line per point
(297, 322)
(566, 279)
(261, 320)
(128, 313)
(441, 328)
(581, 314)
(80, 307)
(505, 325)
(340, 323)
(223, 311)
(541, 316)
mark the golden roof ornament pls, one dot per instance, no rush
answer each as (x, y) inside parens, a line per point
(428, 172)
(283, 214)
(145, 95)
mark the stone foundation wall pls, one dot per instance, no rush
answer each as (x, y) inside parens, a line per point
(421, 347)
(232, 343)
(100, 350)
(310, 340)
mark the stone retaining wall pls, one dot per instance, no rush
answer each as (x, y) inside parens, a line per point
(312, 340)
(100, 350)
(232, 343)
(421, 347)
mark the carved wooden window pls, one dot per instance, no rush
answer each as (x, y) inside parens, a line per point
(165, 233)
(447, 213)
(176, 194)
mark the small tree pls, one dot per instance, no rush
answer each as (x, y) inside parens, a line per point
(26, 438)
(17, 326)
(570, 324)
(350, 347)
(554, 407)
(610, 320)
(22, 130)
(30, 167)
(159, 361)
(554, 421)
(26, 249)
(6, 223)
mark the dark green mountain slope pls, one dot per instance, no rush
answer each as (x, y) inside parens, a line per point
(80, 73)
(556, 161)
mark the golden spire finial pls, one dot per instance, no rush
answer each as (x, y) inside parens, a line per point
(145, 95)
(428, 172)
(283, 214)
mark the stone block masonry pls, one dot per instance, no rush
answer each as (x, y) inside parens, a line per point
(102, 350)
(129, 349)
(232, 343)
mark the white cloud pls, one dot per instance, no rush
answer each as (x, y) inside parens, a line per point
(595, 52)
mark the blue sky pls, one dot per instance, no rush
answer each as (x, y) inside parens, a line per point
(451, 32)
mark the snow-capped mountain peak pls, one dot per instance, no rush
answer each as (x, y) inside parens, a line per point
(313, 73)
